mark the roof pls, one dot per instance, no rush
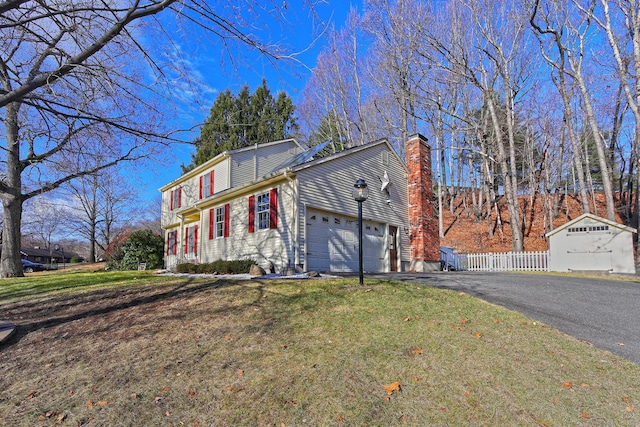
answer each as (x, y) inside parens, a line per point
(313, 162)
(594, 218)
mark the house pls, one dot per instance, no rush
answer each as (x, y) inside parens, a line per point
(46, 256)
(590, 242)
(280, 205)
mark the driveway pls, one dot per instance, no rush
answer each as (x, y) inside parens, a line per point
(601, 311)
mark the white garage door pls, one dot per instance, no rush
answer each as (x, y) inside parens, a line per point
(332, 243)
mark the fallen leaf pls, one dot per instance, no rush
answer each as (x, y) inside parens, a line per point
(406, 319)
(466, 393)
(165, 388)
(464, 321)
(227, 337)
(418, 351)
(584, 385)
(31, 395)
(61, 418)
(157, 400)
(626, 399)
(89, 404)
(192, 393)
(585, 415)
(134, 395)
(477, 334)
(630, 409)
(567, 384)
(240, 372)
(340, 419)
(101, 402)
(394, 386)
(168, 414)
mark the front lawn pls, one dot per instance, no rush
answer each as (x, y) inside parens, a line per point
(144, 350)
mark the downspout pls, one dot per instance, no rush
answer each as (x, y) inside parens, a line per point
(200, 238)
(294, 229)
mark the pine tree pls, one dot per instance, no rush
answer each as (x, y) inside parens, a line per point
(237, 121)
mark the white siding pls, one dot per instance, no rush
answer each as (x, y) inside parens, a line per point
(265, 246)
(191, 191)
(328, 186)
(585, 245)
(255, 162)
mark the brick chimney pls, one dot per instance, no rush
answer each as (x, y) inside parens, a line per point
(423, 224)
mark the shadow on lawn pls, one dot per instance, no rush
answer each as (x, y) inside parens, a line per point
(41, 313)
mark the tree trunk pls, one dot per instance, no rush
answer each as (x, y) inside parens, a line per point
(510, 191)
(10, 263)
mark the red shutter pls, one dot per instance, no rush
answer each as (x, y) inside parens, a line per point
(211, 183)
(273, 208)
(186, 240)
(201, 179)
(252, 214)
(179, 197)
(175, 242)
(168, 241)
(227, 208)
(212, 215)
(171, 200)
(195, 240)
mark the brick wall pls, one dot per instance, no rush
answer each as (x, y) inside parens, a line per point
(423, 224)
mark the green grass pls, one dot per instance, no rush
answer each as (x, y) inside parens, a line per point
(153, 350)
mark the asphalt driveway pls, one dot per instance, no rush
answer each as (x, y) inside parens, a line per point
(602, 311)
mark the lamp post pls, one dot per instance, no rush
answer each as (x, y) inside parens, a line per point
(360, 194)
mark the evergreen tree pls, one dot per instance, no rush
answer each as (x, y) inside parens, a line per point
(237, 121)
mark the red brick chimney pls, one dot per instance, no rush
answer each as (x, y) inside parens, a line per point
(423, 223)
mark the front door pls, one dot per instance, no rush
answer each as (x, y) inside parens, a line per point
(393, 248)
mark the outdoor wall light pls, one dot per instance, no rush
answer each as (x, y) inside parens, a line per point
(360, 194)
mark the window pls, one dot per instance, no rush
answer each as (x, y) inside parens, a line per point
(206, 185)
(588, 229)
(172, 242)
(191, 238)
(263, 211)
(219, 222)
(175, 198)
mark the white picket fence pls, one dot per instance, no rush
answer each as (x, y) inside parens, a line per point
(506, 261)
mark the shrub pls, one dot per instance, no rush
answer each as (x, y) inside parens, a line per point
(219, 266)
(142, 246)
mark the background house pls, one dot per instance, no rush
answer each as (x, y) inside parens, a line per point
(591, 243)
(281, 205)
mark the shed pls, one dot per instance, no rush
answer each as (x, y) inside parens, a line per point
(591, 243)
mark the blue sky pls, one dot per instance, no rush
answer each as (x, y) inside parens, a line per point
(212, 71)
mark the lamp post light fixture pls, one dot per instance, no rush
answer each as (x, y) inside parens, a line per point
(360, 194)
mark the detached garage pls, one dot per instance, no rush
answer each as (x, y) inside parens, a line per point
(591, 243)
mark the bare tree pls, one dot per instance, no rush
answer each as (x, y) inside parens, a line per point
(73, 89)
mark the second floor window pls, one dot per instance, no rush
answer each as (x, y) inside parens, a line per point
(206, 185)
(175, 199)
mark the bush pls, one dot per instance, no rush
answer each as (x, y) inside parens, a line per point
(219, 266)
(142, 246)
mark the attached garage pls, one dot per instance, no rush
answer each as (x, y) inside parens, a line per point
(591, 243)
(332, 243)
